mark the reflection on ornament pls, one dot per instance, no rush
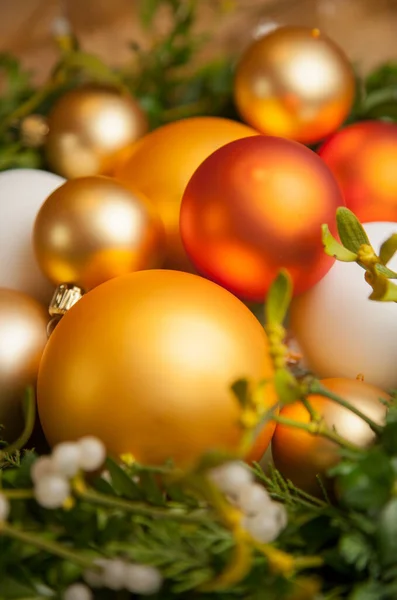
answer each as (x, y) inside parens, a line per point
(23, 324)
(145, 362)
(92, 229)
(162, 163)
(295, 83)
(22, 193)
(300, 456)
(90, 128)
(363, 158)
(257, 205)
(340, 331)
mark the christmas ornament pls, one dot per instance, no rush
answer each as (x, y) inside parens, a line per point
(90, 128)
(296, 83)
(340, 331)
(93, 228)
(164, 160)
(23, 336)
(300, 456)
(145, 363)
(257, 205)
(363, 158)
(22, 192)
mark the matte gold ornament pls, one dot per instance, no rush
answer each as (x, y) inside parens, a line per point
(92, 229)
(90, 128)
(23, 323)
(296, 83)
(300, 456)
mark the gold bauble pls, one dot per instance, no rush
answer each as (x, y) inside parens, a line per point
(90, 128)
(296, 83)
(145, 362)
(300, 456)
(23, 323)
(162, 163)
(92, 229)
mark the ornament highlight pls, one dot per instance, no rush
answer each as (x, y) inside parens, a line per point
(162, 162)
(90, 128)
(296, 83)
(22, 193)
(363, 159)
(257, 205)
(300, 456)
(92, 229)
(23, 323)
(342, 333)
(145, 362)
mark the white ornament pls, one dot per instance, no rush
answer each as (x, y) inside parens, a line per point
(340, 331)
(78, 591)
(66, 458)
(51, 491)
(42, 467)
(4, 508)
(22, 193)
(143, 579)
(92, 453)
(253, 498)
(230, 477)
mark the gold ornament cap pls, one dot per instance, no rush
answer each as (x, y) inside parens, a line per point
(65, 296)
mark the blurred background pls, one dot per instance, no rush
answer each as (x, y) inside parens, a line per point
(366, 29)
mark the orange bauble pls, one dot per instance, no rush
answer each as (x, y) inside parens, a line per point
(300, 456)
(363, 158)
(257, 205)
(146, 361)
(163, 161)
(296, 83)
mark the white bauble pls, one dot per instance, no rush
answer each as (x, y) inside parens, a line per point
(22, 192)
(340, 331)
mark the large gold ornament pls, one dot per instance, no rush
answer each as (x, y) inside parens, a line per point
(23, 336)
(92, 229)
(294, 82)
(300, 456)
(145, 362)
(89, 129)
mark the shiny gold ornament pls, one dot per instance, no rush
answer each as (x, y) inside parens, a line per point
(90, 128)
(294, 83)
(300, 456)
(145, 362)
(92, 229)
(23, 323)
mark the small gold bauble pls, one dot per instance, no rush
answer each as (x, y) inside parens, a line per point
(296, 83)
(300, 456)
(92, 229)
(23, 323)
(90, 128)
(145, 362)
(33, 131)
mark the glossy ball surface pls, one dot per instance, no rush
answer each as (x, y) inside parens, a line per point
(296, 83)
(145, 363)
(300, 456)
(257, 205)
(162, 162)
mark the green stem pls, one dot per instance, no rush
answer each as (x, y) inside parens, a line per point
(142, 509)
(318, 429)
(30, 417)
(308, 562)
(314, 415)
(49, 546)
(17, 494)
(317, 388)
(28, 107)
(306, 496)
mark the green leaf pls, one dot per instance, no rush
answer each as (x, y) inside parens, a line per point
(388, 249)
(383, 290)
(333, 248)
(11, 589)
(122, 482)
(355, 549)
(147, 12)
(351, 232)
(371, 590)
(385, 271)
(389, 437)
(278, 299)
(387, 533)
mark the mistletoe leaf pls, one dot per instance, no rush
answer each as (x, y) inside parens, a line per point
(333, 248)
(278, 299)
(388, 249)
(351, 232)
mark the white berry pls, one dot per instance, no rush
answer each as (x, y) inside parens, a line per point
(52, 491)
(262, 527)
(253, 498)
(143, 579)
(66, 458)
(231, 477)
(279, 514)
(41, 467)
(4, 508)
(92, 453)
(78, 591)
(114, 574)
(94, 577)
